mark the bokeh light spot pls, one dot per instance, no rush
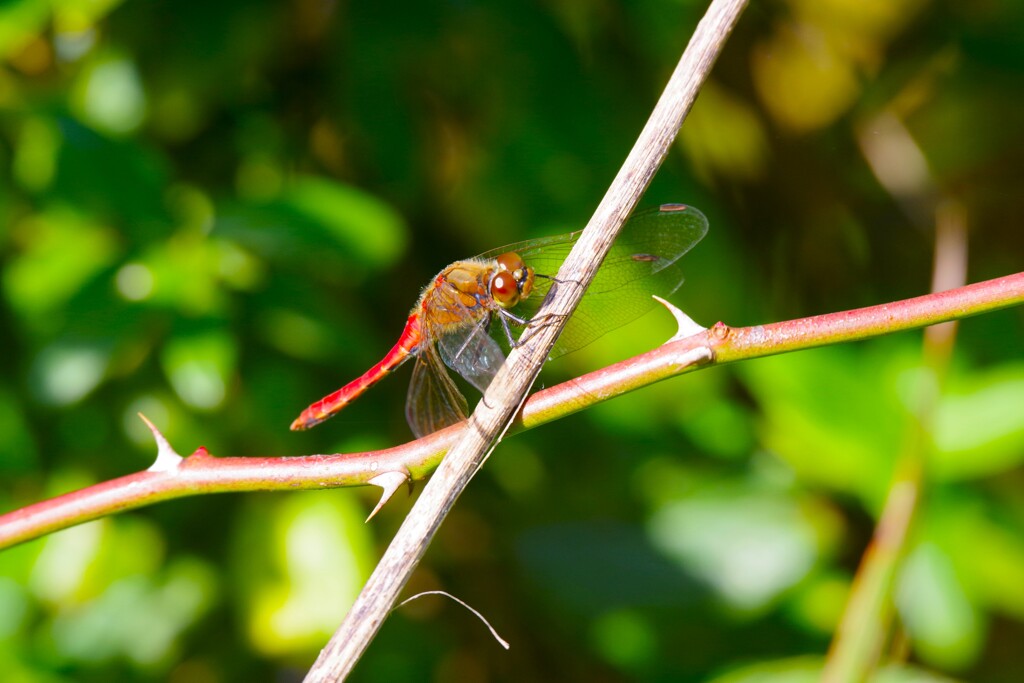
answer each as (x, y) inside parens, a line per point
(134, 281)
(110, 96)
(66, 373)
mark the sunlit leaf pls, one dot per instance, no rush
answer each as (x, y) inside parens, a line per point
(299, 564)
(14, 607)
(184, 273)
(749, 547)
(109, 95)
(960, 525)
(138, 618)
(833, 415)
(65, 372)
(19, 21)
(946, 628)
(35, 159)
(979, 425)
(820, 601)
(723, 136)
(200, 367)
(60, 250)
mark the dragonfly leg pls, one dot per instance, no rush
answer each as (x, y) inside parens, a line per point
(512, 341)
(509, 317)
(532, 326)
(556, 281)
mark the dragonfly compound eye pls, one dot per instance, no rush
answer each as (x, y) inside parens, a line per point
(510, 262)
(504, 289)
(512, 281)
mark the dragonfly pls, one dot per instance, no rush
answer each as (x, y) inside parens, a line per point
(453, 324)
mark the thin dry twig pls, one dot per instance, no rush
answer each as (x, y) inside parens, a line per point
(494, 632)
(514, 379)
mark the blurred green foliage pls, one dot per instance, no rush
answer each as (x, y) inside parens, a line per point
(215, 213)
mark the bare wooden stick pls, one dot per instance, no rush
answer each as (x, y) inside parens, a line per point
(514, 379)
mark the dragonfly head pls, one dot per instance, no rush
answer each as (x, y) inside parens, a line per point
(511, 281)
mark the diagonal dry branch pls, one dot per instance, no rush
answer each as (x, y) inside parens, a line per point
(509, 388)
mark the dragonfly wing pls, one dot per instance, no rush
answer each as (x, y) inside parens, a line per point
(433, 402)
(473, 354)
(642, 261)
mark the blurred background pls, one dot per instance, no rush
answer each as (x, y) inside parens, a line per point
(217, 212)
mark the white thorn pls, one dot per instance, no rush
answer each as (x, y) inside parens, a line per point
(166, 457)
(687, 328)
(389, 482)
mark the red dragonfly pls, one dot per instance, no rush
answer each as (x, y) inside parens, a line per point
(451, 324)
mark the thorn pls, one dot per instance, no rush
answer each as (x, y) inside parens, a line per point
(687, 328)
(389, 482)
(166, 457)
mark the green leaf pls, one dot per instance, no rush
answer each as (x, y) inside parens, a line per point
(748, 546)
(200, 367)
(979, 425)
(625, 638)
(20, 21)
(67, 371)
(61, 250)
(319, 222)
(108, 95)
(299, 564)
(946, 628)
(834, 415)
(960, 524)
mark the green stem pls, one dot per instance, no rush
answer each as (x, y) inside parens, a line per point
(867, 621)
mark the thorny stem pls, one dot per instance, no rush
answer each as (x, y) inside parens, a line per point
(201, 473)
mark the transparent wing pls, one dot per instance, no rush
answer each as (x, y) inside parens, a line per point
(433, 401)
(642, 262)
(472, 353)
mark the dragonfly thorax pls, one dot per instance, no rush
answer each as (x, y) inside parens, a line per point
(512, 281)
